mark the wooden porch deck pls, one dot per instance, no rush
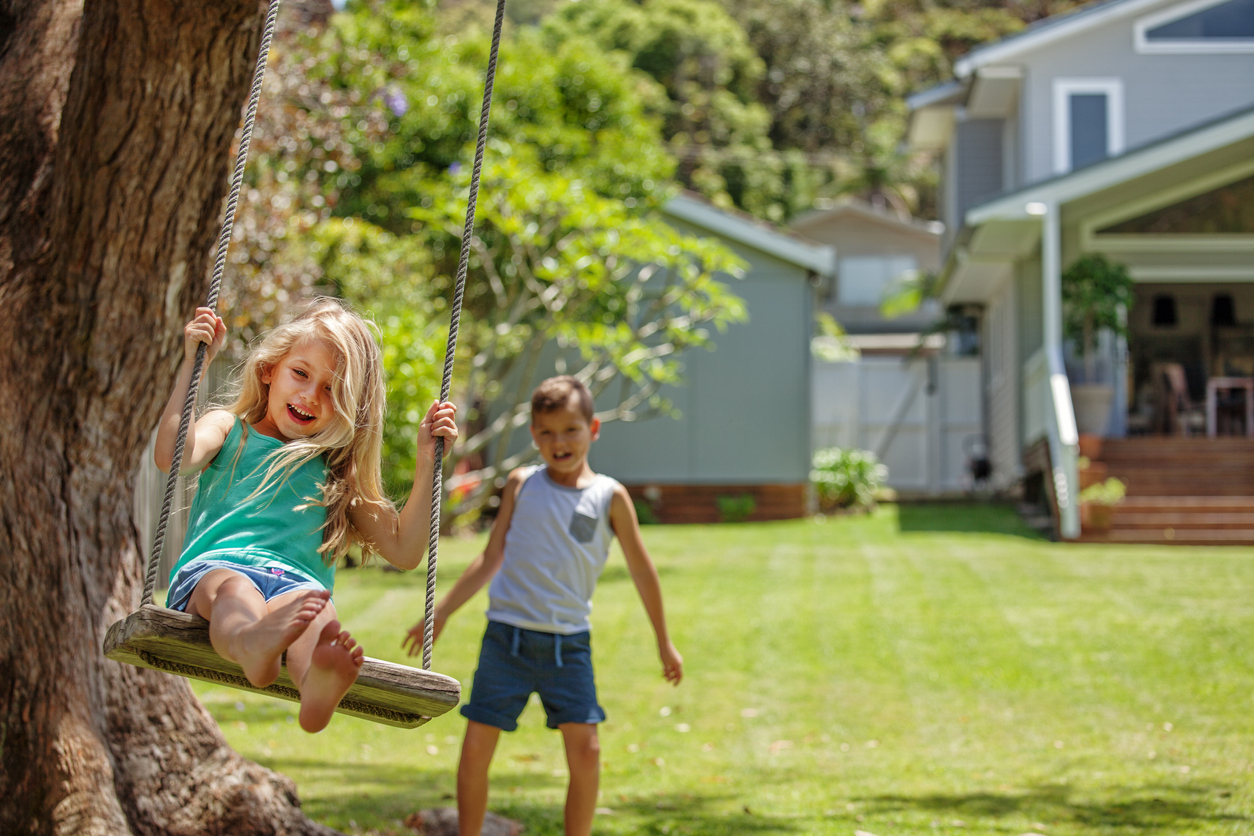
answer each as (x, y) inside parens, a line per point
(1187, 491)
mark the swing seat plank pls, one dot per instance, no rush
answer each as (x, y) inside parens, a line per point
(178, 643)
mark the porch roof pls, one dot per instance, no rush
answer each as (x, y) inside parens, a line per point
(1006, 228)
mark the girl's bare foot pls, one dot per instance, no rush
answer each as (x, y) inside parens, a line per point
(258, 649)
(333, 669)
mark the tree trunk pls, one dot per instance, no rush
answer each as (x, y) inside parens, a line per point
(116, 122)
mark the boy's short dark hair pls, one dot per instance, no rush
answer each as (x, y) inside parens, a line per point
(556, 392)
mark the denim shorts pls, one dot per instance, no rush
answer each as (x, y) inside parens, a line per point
(270, 582)
(515, 662)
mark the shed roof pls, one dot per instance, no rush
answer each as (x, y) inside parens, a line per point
(745, 229)
(861, 208)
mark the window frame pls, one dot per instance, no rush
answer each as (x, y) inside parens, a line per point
(1112, 88)
(1180, 46)
(884, 260)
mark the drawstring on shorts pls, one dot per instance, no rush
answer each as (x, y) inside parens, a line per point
(516, 642)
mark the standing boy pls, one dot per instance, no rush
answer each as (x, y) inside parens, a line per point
(548, 545)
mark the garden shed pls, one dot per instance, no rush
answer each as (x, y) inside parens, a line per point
(742, 422)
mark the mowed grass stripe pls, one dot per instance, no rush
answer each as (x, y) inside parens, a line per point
(921, 670)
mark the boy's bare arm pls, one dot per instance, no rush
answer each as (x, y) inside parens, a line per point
(644, 575)
(477, 574)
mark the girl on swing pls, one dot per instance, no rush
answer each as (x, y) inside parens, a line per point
(289, 477)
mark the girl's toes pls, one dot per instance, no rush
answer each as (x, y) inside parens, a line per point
(330, 632)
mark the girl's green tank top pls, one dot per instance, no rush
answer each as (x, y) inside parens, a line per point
(270, 530)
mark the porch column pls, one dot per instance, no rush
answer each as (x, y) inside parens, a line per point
(1063, 438)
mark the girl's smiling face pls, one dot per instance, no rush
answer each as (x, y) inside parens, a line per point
(299, 402)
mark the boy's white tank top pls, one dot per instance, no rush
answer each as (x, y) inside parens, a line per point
(556, 546)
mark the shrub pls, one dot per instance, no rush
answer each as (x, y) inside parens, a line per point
(846, 478)
(644, 512)
(1110, 492)
(735, 508)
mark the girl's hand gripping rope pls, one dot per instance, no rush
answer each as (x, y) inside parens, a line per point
(440, 421)
(207, 328)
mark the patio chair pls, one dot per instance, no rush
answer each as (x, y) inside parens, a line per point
(1180, 414)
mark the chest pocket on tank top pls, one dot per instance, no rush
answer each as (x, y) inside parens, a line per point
(582, 527)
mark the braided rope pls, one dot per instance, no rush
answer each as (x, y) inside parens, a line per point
(283, 691)
(224, 242)
(437, 487)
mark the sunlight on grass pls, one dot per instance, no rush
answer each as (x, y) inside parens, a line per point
(934, 669)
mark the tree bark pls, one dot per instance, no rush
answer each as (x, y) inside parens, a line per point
(116, 121)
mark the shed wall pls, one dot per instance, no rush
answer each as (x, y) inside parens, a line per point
(744, 408)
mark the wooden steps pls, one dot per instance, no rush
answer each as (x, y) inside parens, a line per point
(1181, 491)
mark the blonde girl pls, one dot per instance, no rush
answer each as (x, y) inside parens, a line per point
(289, 478)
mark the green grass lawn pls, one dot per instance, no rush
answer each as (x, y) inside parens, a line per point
(924, 670)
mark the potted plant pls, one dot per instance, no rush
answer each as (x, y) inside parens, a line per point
(1095, 293)
(1097, 503)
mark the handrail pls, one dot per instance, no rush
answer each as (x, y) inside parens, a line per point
(1064, 439)
(1064, 443)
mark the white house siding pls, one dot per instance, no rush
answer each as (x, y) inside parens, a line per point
(1163, 94)
(1002, 393)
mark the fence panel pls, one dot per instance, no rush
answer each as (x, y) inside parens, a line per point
(922, 416)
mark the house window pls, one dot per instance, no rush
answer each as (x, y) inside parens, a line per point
(865, 280)
(1199, 26)
(1088, 121)
(1165, 311)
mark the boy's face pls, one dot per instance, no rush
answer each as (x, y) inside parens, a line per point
(563, 436)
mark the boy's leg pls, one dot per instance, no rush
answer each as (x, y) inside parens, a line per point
(323, 663)
(472, 776)
(244, 629)
(583, 758)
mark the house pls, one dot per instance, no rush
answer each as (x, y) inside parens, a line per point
(1125, 128)
(743, 422)
(911, 396)
(877, 248)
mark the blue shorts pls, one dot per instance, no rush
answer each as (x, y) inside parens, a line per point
(515, 662)
(269, 582)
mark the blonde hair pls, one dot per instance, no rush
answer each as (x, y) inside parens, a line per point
(352, 441)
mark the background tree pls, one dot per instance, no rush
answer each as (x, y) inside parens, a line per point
(579, 280)
(712, 120)
(372, 183)
(114, 134)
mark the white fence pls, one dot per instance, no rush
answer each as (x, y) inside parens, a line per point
(922, 416)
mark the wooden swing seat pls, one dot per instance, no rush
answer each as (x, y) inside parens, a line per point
(178, 643)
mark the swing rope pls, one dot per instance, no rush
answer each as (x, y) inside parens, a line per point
(224, 241)
(437, 486)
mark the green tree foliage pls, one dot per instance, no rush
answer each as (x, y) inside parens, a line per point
(621, 296)
(359, 188)
(572, 109)
(716, 126)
